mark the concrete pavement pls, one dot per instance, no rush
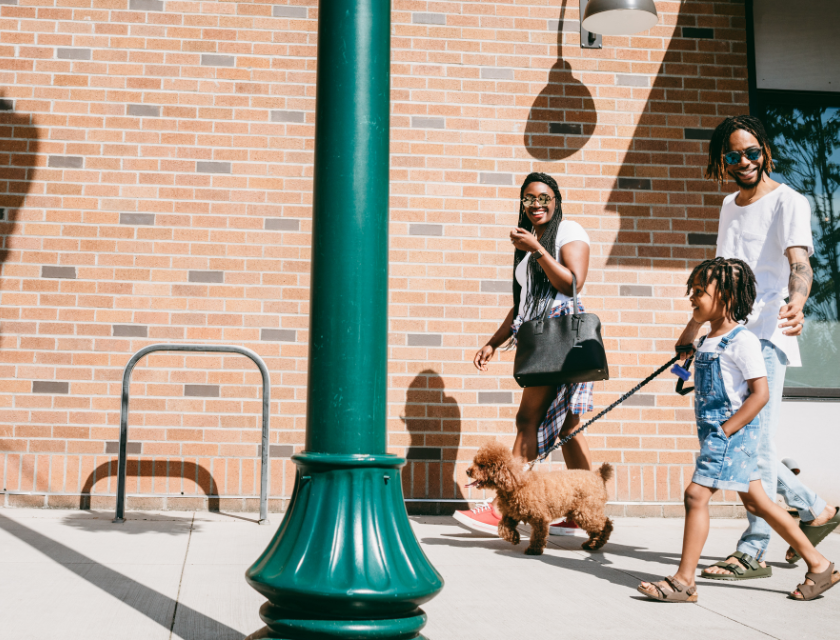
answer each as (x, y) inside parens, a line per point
(180, 575)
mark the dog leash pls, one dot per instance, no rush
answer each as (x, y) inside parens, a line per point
(682, 373)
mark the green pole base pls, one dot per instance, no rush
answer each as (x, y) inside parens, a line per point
(344, 563)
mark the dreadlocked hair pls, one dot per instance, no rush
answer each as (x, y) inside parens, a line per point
(735, 284)
(540, 287)
(719, 145)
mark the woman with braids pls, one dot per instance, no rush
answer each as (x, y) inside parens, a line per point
(730, 389)
(768, 226)
(547, 251)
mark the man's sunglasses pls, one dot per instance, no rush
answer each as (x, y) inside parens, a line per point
(734, 157)
(543, 199)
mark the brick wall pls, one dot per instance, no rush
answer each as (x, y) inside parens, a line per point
(156, 161)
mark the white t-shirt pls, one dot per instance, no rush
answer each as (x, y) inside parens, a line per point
(567, 231)
(742, 360)
(759, 234)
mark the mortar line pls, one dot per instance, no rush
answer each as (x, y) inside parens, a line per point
(181, 579)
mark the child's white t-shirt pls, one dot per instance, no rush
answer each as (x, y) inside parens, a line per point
(742, 360)
(567, 231)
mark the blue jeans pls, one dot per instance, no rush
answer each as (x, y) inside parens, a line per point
(775, 477)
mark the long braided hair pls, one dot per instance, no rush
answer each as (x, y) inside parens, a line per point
(735, 283)
(719, 145)
(540, 287)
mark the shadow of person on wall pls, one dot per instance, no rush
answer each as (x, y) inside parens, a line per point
(19, 142)
(563, 116)
(433, 421)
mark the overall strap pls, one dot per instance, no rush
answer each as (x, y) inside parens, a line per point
(729, 337)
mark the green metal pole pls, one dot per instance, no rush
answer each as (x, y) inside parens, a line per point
(344, 562)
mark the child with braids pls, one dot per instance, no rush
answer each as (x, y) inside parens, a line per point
(730, 391)
(549, 251)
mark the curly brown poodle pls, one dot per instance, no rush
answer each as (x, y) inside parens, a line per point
(538, 498)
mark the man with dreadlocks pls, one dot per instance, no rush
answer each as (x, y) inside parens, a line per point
(767, 225)
(548, 250)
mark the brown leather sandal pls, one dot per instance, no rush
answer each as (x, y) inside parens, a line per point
(822, 582)
(680, 593)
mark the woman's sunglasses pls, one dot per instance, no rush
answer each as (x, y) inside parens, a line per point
(543, 199)
(734, 157)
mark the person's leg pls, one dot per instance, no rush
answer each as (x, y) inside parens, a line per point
(576, 450)
(757, 502)
(695, 533)
(532, 409)
(755, 539)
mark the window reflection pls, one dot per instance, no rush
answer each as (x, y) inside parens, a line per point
(806, 150)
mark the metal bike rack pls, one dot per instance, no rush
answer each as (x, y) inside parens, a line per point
(266, 412)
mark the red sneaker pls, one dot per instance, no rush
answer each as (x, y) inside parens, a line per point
(567, 528)
(480, 519)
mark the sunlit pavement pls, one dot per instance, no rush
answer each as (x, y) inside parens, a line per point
(74, 574)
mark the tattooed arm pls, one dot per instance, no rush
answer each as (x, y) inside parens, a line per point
(799, 287)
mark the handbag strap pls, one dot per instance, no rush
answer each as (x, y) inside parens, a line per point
(549, 305)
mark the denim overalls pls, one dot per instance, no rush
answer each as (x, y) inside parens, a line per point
(723, 463)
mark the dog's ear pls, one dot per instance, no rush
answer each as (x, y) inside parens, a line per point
(506, 478)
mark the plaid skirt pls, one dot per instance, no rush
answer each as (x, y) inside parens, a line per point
(576, 398)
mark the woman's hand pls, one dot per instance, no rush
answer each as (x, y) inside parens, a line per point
(482, 357)
(524, 240)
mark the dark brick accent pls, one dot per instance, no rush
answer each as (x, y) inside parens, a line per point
(568, 26)
(424, 340)
(496, 286)
(504, 179)
(145, 219)
(288, 12)
(10, 2)
(2, 213)
(216, 60)
(278, 335)
(58, 272)
(282, 224)
(143, 110)
(640, 400)
(212, 167)
(425, 229)
(131, 448)
(49, 386)
(426, 122)
(130, 331)
(635, 290)
(495, 397)
(145, 5)
(72, 54)
(702, 239)
(66, 162)
(628, 80)
(496, 73)
(277, 451)
(6, 105)
(697, 32)
(288, 116)
(201, 390)
(565, 128)
(428, 18)
(698, 134)
(211, 277)
(634, 183)
(424, 453)
(557, 456)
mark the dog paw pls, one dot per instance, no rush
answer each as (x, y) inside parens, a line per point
(510, 536)
(531, 551)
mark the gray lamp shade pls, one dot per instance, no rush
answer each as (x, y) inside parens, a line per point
(619, 17)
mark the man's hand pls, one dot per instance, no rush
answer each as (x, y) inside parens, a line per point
(799, 288)
(689, 334)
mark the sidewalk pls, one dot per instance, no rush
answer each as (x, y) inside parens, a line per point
(180, 575)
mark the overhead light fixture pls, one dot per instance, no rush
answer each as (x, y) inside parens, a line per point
(618, 17)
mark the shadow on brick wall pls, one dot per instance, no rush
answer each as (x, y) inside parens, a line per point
(563, 116)
(433, 421)
(171, 470)
(660, 190)
(19, 143)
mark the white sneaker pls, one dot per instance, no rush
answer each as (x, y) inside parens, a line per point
(481, 519)
(567, 528)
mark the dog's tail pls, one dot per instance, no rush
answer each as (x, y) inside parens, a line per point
(606, 472)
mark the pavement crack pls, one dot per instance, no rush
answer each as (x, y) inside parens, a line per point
(181, 579)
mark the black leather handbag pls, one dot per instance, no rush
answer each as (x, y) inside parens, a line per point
(554, 351)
